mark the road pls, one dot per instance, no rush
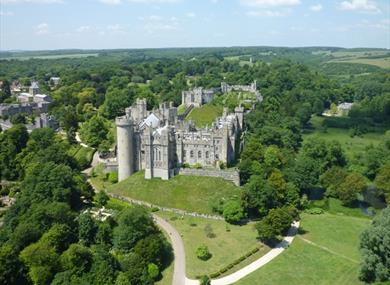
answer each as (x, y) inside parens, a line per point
(179, 272)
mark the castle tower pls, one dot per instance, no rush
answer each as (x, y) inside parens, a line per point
(125, 145)
(149, 153)
(34, 88)
(239, 111)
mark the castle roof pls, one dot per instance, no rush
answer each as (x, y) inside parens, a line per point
(34, 85)
(151, 121)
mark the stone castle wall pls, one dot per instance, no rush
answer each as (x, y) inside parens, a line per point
(229, 175)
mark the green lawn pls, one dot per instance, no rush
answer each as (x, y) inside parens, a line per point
(326, 252)
(230, 242)
(204, 115)
(189, 193)
(353, 146)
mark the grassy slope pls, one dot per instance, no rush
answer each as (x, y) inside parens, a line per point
(183, 192)
(304, 263)
(204, 115)
(226, 247)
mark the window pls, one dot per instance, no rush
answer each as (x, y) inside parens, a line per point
(199, 154)
(207, 154)
(159, 155)
(191, 154)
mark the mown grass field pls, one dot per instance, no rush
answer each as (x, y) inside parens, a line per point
(183, 192)
(204, 115)
(230, 242)
(352, 145)
(325, 252)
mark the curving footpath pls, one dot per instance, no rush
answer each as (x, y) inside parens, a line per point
(179, 273)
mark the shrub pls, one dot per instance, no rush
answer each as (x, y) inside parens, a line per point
(155, 209)
(314, 211)
(233, 212)
(113, 177)
(209, 231)
(185, 165)
(205, 280)
(197, 166)
(203, 253)
(102, 198)
(153, 271)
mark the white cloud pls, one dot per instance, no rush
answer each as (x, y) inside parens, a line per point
(6, 13)
(155, 24)
(316, 8)
(269, 3)
(83, 29)
(31, 1)
(191, 15)
(360, 5)
(111, 2)
(41, 29)
(266, 13)
(153, 1)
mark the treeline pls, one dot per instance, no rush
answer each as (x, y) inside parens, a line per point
(45, 239)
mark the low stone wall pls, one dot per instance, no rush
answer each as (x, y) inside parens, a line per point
(229, 175)
(110, 167)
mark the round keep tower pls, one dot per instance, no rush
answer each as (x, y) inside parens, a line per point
(125, 146)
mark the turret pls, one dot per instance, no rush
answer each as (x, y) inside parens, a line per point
(125, 145)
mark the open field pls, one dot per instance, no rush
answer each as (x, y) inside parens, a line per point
(230, 242)
(204, 115)
(352, 145)
(54, 56)
(189, 193)
(325, 252)
(380, 62)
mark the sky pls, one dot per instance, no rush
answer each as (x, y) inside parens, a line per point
(112, 24)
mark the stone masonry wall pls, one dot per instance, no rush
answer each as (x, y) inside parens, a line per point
(229, 175)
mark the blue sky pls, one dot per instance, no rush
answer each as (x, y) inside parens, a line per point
(101, 24)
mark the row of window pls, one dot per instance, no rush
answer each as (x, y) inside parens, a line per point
(192, 154)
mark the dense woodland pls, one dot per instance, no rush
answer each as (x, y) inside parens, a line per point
(46, 239)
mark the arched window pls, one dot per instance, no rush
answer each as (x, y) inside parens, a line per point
(199, 154)
(159, 155)
(191, 154)
(207, 154)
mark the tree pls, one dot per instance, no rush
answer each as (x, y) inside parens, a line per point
(5, 91)
(12, 271)
(332, 179)
(353, 184)
(87, 229)
(95, 131)
(233, 212)
(375, 247)
(274, 224)
(102, 198)
(382, 182)
(42, 262)
(134, 224)
(258, 197)
(77, 259)
(203, 253)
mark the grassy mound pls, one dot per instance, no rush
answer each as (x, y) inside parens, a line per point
(204, 115)
(189, 193)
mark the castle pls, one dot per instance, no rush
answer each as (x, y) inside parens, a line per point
(161, 142)
(199, 96)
